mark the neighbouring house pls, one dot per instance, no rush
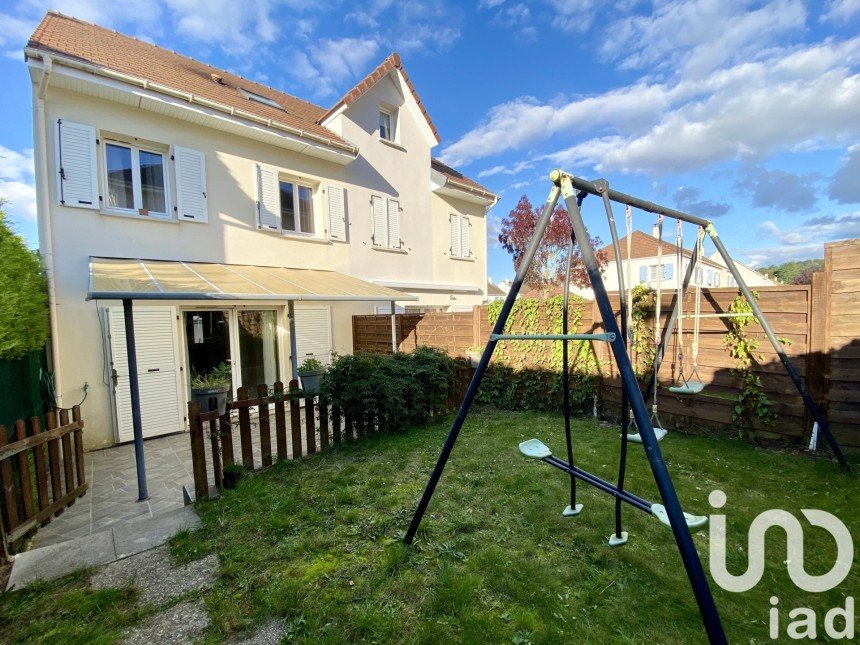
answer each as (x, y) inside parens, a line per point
(494, 292)
(643, 266)
(229, 214)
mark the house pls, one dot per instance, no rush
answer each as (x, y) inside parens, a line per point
(643, 266)
(246, 226)
(494, 292)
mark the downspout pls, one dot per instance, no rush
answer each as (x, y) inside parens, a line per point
(44, 216)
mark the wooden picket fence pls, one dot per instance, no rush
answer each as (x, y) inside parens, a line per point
(38, 486)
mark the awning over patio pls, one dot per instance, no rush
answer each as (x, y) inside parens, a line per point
(136, 279)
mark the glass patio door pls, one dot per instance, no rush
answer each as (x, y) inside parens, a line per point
(258, 347)
(207, 337)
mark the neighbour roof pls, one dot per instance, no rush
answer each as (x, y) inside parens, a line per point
(645, 246)
(493, 290)
(99, 46)
(383, 69)
(460, 180)
(129, 278)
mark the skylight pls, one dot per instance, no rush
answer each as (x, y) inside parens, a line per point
(260, 99)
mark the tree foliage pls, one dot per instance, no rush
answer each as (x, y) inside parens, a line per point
(23, 296)
(547, 269)
(797, 272)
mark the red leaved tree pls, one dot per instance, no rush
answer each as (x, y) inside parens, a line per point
(547, 270)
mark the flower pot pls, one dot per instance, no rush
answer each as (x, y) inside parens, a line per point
(311, 380)
(474, 358)
(202, 397)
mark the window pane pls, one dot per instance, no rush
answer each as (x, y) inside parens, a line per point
(120, 185)
(152, 181)
(258, 348)
(385, 125)
(306, 210)
(288, 213)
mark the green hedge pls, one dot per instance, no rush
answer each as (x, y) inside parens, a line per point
(536, 390)
(390, 392)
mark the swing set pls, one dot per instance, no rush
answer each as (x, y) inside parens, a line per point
(574, 190)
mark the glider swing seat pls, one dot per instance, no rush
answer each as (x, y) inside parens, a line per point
(668, 510)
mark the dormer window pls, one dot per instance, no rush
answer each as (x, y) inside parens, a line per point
(386, 124)
(257, 98)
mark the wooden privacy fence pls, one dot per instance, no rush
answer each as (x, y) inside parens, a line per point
(39, 486)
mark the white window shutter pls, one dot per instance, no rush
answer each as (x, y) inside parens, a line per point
(380, 226)
(268, 198)
(191, 201)
(393, 223)
(465, 250)
(336, 213)
(455, 235)
(77, 178)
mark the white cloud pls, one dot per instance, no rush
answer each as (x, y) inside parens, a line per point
(16, 184)
(841, 10)
(804, 241)
(748, 110)
(845, 184)
(699, 36)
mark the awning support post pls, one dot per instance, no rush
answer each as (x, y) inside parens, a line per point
(294, 352)
(393, 327)
(134, 388)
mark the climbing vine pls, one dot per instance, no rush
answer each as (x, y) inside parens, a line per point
(642, 305)
(751, 402)
(535, 368)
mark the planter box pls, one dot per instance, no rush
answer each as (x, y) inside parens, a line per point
(202, 397)
(311, 380)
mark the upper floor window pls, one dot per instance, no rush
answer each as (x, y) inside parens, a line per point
(385, 213)
(388, 124)
(460, 236)
(135, 179)
(297, 208)
(650, 273)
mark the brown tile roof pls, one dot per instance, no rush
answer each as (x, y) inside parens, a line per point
(99, 46)
(89, 43)
(383, 69)
(645, 246)
(493, 290)
(460, 180)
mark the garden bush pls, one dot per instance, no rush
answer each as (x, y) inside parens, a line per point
(390, 392)
(536, 390)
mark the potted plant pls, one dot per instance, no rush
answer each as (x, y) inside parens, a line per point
(231, 475)
(311, 373)
(215, 382)
(474, 354)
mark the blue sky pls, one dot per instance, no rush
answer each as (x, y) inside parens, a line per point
(747, 112)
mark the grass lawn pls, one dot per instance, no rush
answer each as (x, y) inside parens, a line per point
(319, 542)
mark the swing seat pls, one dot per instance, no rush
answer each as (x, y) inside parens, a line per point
(694, 522)
(690, 387)
(535, 449)
(658, 432)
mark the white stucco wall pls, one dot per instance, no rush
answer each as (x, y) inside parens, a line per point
(231, 234)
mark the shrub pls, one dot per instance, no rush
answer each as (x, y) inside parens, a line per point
(537, 390)
(23, 296)
(390, 392)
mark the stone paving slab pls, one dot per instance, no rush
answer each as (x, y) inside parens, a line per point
(99, 548)
(270, 633)
(181, 623)
(155, 576)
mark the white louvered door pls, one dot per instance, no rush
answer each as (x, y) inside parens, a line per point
(157, 369)
(77, 179)
(313, 334)
(268, 198)
(190, 184)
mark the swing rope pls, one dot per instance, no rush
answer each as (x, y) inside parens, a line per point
(657, 311)
(690, 385)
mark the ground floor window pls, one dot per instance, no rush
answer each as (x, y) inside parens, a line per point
(258, 347)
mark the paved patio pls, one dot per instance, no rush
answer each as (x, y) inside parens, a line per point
(112, 475)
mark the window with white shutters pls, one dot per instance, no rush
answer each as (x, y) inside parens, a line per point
(191, 202)
(77, 177)
(460, 247)
(268, 198)
(385, 214)
(336, 213)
